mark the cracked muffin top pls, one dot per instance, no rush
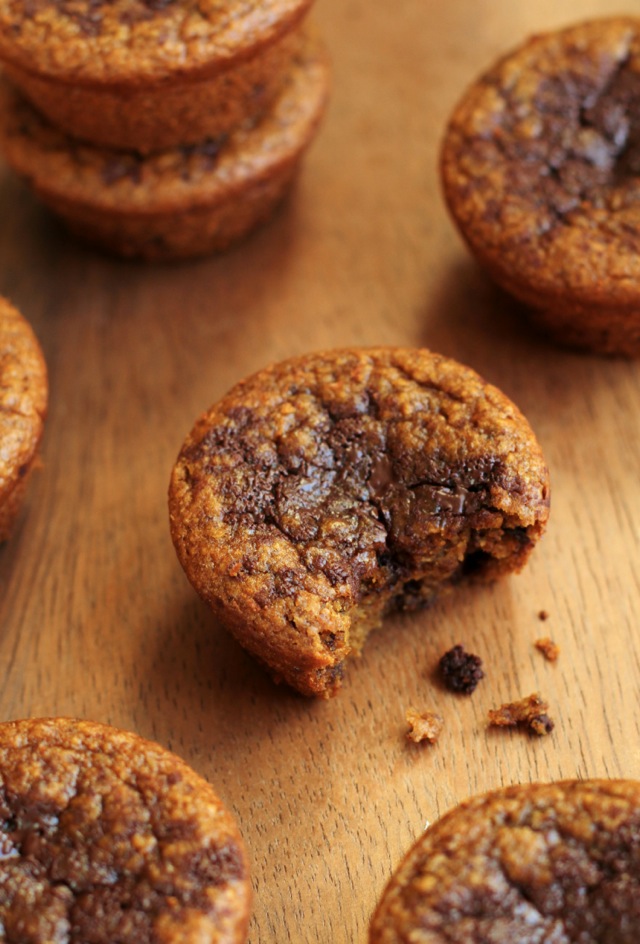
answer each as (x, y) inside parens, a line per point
(23, 396)
(107, 837)
(541, 165)
(554, 863)
(346, 479)
(111, 41)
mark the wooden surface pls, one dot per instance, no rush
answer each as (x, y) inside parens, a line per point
(96, 617)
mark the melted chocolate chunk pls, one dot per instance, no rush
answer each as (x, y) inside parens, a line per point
(436, 500)
(381, 476)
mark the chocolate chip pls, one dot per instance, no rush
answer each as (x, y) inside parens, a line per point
(381, 476)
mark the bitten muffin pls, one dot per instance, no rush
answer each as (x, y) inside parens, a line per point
(323, 492)
(181, 202)
(23, 407)
(149, 74)
(540, 169)
(107, 837)
(551, 863)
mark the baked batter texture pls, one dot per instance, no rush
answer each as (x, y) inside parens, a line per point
(180, 202)
(107, 837)
(23, 406)
(541, 172)
(326, 491)
(149, 74)
(550, 863)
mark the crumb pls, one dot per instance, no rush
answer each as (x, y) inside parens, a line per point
(461, 671)
(423, 726)
(529, 713)
(543, 615)
(549, 649)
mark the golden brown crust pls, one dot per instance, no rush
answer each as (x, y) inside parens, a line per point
(149, 117)
(326, 490)
(539, 169)
(179, 202)
(106, 836)
(23, 407)
(553, 863)
(135, 42)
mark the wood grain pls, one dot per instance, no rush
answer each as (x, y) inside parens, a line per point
(96, 617)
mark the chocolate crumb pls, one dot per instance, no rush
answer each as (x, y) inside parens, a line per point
(549, 649)
(529, 713)
(461, 671)
(543, 615)
(423, 725)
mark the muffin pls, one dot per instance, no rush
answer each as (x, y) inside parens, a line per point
(325, 491)
(540, 169)
(180, 202)
(23, 407)
(108, 837)
(538, 864)
(149, 74)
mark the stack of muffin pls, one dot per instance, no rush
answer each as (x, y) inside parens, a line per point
(159, 128)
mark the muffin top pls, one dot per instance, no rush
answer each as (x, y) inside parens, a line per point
(107, 837)
(305, 450)
(23, 396)
(541, 162)
(553, 863)
(133, 41)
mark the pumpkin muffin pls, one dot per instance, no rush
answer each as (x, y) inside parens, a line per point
(181, 202)
(23, 407)
(108, 837)
(149, 74)
(535, 864)
(541, 173)
(325, 491)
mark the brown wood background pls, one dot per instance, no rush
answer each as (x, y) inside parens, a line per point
(96, 617)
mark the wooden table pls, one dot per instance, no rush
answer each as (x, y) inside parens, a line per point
(96, 617)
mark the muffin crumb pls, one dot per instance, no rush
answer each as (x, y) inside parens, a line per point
(423, 725)
(529, 713)
(549, 649)
(461, 671)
